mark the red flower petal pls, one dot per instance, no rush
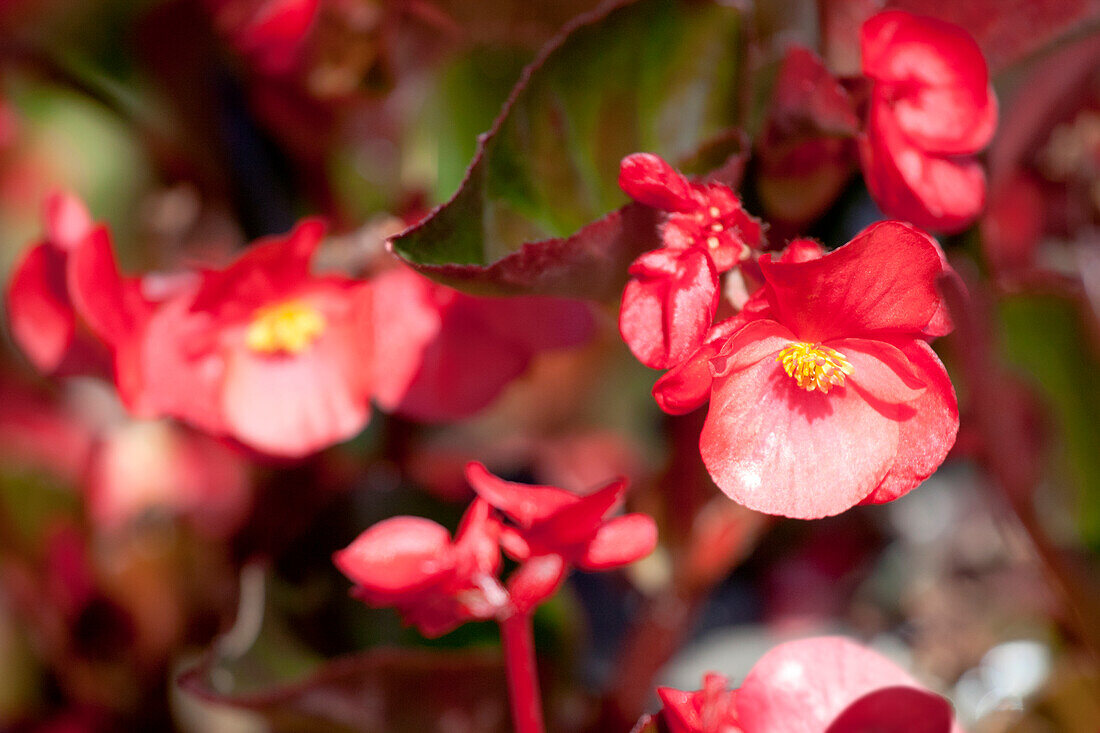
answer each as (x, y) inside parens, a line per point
(803, 686)
(895, 710)
(882, 371)
(397, 556)
(944, 194)
(111, 305)
(620, 541)
(41, 316)
(934, 77)
(883, 281)
(649, 180)
(778, 449)
(579, 521)
(535, 580)
(269, 270)
(926, 437)
(668, 306)
(686, 386)
(757, 340)
(525, 504)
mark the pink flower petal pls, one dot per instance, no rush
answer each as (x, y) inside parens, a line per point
(926, 437)
(803, 686)
(620, 541)
(779, 449)
(397, 556)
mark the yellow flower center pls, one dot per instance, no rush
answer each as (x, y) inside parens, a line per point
(286, 327)
(814, 366)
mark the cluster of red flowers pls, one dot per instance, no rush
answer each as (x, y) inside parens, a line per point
(809, 686)
(437, 583)
(264, 351)
(823, 390)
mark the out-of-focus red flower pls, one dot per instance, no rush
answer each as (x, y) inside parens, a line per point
(144, 466)
(931, 109)
(549, 521)
(443, 355)
(43, 321)
(829, 395)
(807, 151)
(269, 32)
(670, 302)
(436, 584)
(818, 685)
(261, 351)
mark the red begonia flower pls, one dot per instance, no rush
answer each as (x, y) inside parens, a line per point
(443, 355)
(712, 709)
(261, 351)
(806, 686)
(931, 107)
(551, 521)
(668, 305)
(830, 396)
(436, 584)
(40, 311)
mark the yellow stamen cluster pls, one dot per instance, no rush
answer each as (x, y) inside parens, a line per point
(814, 366)
(286, 328)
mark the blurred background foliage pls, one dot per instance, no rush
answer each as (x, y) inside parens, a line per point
(189, 146)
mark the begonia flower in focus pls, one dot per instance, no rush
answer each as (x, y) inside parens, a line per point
(672, 297)
(830, 395)
(43, 321)
(931, 109)
(817, 685)
(443, 355)
(435, 583)
(545, 520)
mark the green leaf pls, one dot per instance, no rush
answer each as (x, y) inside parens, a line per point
(648, 75)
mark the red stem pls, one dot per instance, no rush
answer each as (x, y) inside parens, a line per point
(518, 639)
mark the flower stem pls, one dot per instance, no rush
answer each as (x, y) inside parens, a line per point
(517, 637)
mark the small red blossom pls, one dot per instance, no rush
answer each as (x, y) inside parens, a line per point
(445, 355)
(931, 109)
(549, 521)
(673, 295)
(829, 394)
(818, 685)
(436, 584)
